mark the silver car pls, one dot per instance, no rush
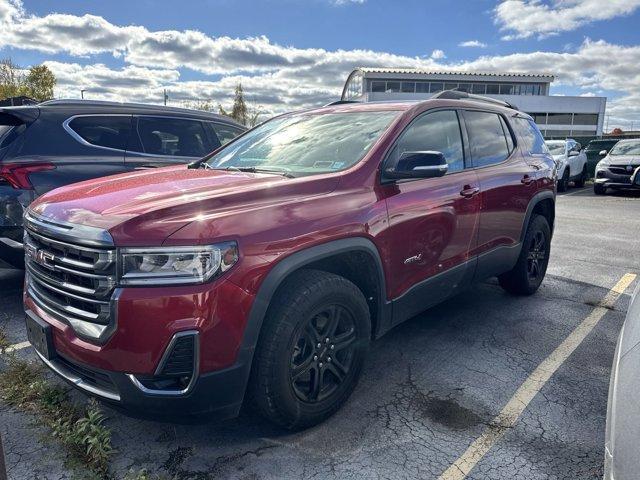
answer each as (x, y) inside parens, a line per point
(622, 441)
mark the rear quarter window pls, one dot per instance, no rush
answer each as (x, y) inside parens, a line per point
(225, 133)
(532, 140)
(103, 131)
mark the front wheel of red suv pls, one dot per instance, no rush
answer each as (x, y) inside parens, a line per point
(311, 349)
(529, 271)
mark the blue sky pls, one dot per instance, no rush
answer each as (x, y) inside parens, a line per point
(296, 53)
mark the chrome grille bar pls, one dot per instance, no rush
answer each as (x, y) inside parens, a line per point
(73, 280)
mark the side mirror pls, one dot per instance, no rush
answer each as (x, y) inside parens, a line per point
(602, 153)
(422, 164)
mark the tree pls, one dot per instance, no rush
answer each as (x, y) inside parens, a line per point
(11, 79)
(247, 115)
(39, 83)
(239, 110)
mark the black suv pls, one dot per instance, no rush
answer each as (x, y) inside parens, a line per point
(59, 142)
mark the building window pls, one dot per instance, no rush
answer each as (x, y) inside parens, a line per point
(464, 87)
(583, 133)
(436, 87)
(479, 88)
(450, 86)
(378, 86)
(392, 87)
(408, 87)
(506, 89)
(559, 133)
(585, 119)
(422, 87)
(539, 118)
(559, 118)
(493, 89)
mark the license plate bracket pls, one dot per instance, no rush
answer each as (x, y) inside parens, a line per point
(40, 335)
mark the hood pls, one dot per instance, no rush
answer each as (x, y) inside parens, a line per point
(623, 160)
(145, 207)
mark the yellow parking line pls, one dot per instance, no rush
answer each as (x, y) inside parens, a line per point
(532, 385)
(16, 346)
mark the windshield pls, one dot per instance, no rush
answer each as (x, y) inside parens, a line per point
(305, 144)
(626, 148)
(556, 148)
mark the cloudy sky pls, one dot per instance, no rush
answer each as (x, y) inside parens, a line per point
(290, 54)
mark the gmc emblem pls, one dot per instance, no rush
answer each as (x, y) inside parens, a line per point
(42, 258)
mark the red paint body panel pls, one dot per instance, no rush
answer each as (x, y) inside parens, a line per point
(272, 217)
(148, 318)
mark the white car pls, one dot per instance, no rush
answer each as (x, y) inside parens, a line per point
(621, 460)
(571, 161)
(616, 170)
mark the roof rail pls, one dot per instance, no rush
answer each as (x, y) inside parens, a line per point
(460, 95)
(340, 102)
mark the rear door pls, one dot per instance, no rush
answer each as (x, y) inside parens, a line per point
(93, 147)
(433, 222)
(507, 184)
(159, 141)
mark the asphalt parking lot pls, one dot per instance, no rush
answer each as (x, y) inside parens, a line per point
(431, 387)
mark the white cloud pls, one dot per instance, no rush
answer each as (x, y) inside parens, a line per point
(473, 44)
(347, 2)
(525, 18)
(438, 54)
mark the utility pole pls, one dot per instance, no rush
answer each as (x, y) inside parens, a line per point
(82, 93)
(165, 97)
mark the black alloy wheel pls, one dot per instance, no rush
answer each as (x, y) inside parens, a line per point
(537, 255)
(323, 354)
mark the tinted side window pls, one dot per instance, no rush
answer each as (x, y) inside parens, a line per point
(225, 133)
(172, 137)
(486, 138)
(532, 140)
(103, 131)
(507, 134)
(438, 131)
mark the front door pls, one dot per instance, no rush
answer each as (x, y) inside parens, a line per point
(163, 141)
(433, 222)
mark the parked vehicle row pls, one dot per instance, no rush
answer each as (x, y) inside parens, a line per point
(263, 271)
(60, 142)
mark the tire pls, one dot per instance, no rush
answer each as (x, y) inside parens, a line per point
(583, 178)
(563, 183)
(531, 267)
(599, 189)
(295, 338)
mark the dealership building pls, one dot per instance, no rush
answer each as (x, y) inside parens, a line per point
(556, 115)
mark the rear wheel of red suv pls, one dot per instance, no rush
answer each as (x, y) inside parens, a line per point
(529, 271)
(311, 349)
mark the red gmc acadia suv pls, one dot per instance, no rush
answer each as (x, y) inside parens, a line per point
(264, 270)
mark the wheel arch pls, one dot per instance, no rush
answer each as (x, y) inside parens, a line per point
(336, 256)
(543, 203)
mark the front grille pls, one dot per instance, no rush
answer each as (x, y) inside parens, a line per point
(621, 170)
(70, 281)
(90, 376)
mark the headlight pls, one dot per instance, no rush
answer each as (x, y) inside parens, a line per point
(174, 265)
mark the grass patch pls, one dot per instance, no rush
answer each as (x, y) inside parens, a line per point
(80, 429)
(4, 341)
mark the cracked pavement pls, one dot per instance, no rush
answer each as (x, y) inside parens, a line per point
(429, 389)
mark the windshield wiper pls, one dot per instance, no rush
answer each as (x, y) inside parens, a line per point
(275, 171)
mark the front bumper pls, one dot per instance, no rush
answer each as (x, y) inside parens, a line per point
(609, 179)
(120, 371)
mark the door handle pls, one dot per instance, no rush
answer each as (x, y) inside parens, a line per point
(527, 180)
(468, 191)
